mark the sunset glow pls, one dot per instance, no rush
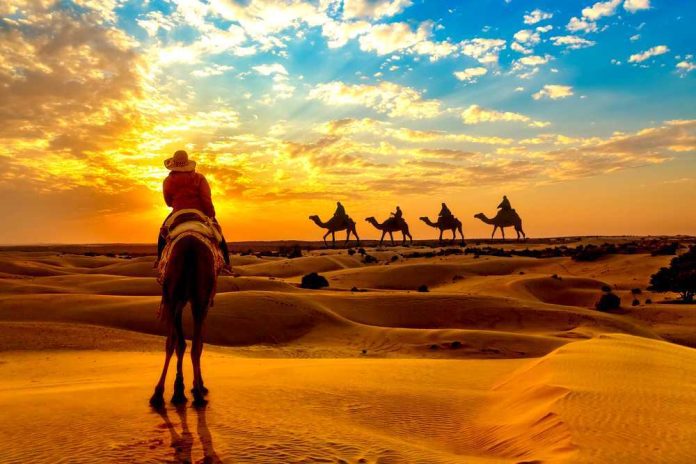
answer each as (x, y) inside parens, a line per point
(583, 113)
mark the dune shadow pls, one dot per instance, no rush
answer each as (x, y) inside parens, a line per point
(181, 441)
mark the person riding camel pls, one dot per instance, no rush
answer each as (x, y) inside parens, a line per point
(340, 213)
(398, 215)
(184, 188)
(505, 204)
(445, 213)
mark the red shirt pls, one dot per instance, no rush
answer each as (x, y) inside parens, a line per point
(184, 190)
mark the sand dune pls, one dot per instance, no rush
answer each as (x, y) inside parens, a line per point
(503, 359)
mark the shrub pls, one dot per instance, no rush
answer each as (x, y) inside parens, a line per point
(636, 291)
(351, 251)
(423, 289)
(679, 277)
(314, 281)
(648, 301)
(635, 302)
(669, 249)
(608, 301)
(368, 259)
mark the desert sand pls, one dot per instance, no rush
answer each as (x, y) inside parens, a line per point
(503, 359)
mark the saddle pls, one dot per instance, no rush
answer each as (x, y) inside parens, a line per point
(190, 220)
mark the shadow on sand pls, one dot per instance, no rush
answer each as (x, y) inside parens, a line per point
(182, 441)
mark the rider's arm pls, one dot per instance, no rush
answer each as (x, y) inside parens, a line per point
(167, 193)
(206, 197)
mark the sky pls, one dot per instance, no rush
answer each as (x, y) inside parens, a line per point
(583, 113)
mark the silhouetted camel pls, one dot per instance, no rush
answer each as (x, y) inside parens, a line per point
(334, 225)
(504, 219)
(390, 226)
(189, 278)
(453, 224)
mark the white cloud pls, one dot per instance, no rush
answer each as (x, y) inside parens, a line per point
(581, 25)
(388, 38)
(475, 114)
(339, 33)
(470, 74)
(212, 70)
(685, 67)
(527, 36)
(270, 69)
(374, 8)
(520, 49)
(386, 97)
(647, 54)
(484, 50)
(534, 60)
(600, 9)
(536, 16)
(572, 41)
(635, 37)
(554, 92)
(635, 5)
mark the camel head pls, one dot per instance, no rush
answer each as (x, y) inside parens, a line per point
(371, 219)
(313, 217)
(480, 216)
(424, 218)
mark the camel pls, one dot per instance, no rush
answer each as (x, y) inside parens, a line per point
(390, 226)
(334, 225)
(189, 278)
(504, 219)
(453, 224)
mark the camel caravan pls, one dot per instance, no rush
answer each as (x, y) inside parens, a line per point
(446, 221)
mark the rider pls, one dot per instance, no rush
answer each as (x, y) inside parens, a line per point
(505, 204)
(398, 215)
(184, 188)
(445, 213)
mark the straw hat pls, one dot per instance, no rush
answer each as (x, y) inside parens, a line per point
(180, 162)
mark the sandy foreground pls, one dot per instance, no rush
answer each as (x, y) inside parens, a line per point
(499, 361)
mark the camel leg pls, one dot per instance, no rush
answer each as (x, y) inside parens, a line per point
(494, 229)
(381, 239)
(461, 232)
(355, 232)
(333, 239)
(440, 239)
(391, 236)
(179, 397)
(199, 390)
(157, 399)
(324, 238)
(454, 234)
(502, 232)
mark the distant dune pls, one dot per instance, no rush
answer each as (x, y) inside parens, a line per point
(502, 359)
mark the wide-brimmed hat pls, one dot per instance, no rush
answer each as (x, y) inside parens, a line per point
(180, 162)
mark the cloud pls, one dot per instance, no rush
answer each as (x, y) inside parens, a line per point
(635, 5)
(572, 42)
(554, 92)
(600, 10)
(375, 9)
(475, 114)
(647, 54)
(339, 33)
(581, 25)
(270, 69)
(486, 51)
(685, 67)
(470, 74)
(386, 97)
(384, 39)
(212, 70)
(536, 16)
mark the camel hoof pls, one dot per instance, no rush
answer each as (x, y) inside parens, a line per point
(157, 400)
(179, 398)
(202, 389)
(199, 400)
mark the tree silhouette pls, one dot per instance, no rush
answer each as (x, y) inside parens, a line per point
(679, 277)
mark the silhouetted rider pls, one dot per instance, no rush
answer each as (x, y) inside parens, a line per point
(445, 213)
(505, 204)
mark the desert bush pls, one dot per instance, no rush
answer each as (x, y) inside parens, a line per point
(636, 291)
(369, 259)
(351, 251)
(608, 301)
(679, 277)
(666, 250)
(314, 281)
(635, 302)
(423, 289)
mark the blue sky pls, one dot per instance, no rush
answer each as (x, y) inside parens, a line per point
(290, 105)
